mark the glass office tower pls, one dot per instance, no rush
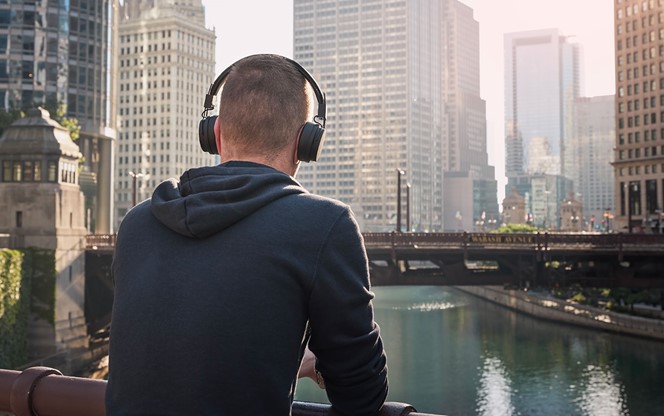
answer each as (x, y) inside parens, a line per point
(542, 81)
(60, 52)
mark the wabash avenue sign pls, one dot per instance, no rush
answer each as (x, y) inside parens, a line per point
(502, 239)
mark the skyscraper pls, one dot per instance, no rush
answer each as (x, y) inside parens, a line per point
(403, 94)
(639, 157)
(594, 139)
(541, 83)
(166, 66)
(59, 52)
(470, 187)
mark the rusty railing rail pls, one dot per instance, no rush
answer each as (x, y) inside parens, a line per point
(44, 391)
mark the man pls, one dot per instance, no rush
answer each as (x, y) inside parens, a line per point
(223, 278)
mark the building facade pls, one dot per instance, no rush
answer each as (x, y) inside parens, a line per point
(60, 52)
(42, 207)
(594, 138)
(468, 175)
(166, 66)
(639, 115)
(542, 80)
(402, 85)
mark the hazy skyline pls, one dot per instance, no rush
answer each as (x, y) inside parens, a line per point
(251, 26)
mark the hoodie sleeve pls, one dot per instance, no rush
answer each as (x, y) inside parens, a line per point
(344, 336)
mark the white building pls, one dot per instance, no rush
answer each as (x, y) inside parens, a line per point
(594, 139)
(166, 68)
(402, 85)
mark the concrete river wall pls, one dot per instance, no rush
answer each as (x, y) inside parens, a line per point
(544, 307)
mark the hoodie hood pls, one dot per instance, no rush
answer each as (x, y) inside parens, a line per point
(210, 199)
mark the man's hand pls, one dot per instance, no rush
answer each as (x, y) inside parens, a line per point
(308, 366)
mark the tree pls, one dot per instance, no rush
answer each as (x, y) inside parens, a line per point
(516, 228)
(58, 113)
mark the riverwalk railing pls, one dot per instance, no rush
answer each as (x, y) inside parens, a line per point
(44, 391)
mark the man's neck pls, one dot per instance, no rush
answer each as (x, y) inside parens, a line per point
(280, 164)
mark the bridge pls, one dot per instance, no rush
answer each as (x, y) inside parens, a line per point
(599, 260)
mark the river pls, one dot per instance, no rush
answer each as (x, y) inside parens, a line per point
(454, 354)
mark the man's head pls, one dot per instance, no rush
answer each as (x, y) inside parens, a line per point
(264, 103)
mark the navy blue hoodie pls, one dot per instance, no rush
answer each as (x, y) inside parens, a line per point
(216, 278)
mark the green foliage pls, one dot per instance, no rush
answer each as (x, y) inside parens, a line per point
(579, 298)
(616, 299)
(58, 113)
(40, 266)
(14, 309)
(515, 228)
(27, 286)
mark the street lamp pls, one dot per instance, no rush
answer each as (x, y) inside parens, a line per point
(399, 173)
(133, 186)
(546, 207)
(408, 207)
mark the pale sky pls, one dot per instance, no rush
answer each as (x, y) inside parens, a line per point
(252, 26)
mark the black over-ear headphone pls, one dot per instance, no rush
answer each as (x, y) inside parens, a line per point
(310, 136)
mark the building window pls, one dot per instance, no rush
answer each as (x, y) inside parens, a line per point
(37, 171)
(17, 175)
(52, 171)
(651, 196)
(19, 219)
(6, 171)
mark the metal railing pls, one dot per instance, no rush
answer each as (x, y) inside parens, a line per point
(107, 241)
(515, 240)
(44, 391)
(99, 241)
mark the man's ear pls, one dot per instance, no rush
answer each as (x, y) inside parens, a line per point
(217, 134)
(296, 160)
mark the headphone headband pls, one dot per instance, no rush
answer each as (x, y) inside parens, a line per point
(321, 114)
(309, 139)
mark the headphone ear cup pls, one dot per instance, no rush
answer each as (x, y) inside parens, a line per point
(206, 137)
(310, 142)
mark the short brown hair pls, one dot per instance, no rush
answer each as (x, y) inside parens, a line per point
(263, 104)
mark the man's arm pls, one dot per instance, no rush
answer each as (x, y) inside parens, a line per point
(344, 336)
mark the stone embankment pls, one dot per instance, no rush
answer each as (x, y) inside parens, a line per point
(542, 306)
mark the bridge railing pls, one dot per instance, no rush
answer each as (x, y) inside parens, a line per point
(99, 241)
(535, 240)
(45, 391)
(539, 241)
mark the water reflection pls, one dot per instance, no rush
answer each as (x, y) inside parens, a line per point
(451, 353)
(495, 390)
(601, 394)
